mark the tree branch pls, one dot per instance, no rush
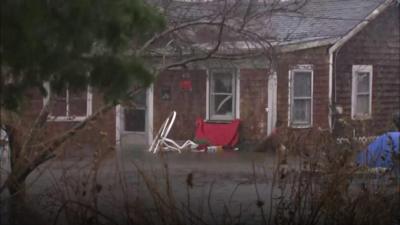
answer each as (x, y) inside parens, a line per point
(39, 122)
(157, 37)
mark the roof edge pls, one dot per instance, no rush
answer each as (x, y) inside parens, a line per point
(306, 45)
(343, 40)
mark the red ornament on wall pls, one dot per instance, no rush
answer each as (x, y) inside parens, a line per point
(185, 85)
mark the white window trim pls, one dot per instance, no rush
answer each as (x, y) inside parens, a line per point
(236, 95)
(300, 68)
(272, 102)
(355, 70)
(67, 118)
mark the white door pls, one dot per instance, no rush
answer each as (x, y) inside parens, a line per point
(135, 120)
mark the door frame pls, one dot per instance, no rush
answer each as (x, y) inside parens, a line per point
(119, 119)
(272, 102)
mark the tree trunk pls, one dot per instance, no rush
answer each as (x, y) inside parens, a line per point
(17, 206)
(15, 183)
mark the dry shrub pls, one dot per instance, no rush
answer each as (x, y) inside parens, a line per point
(322, 186)
(328, 188)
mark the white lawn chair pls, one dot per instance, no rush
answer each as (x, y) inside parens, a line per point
(162, 142)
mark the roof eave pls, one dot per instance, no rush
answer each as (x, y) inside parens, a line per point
(374, 14)
(306, 45)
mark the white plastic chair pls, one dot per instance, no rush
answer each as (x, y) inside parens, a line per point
(162, 142)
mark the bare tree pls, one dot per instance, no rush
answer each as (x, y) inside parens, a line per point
(196, 31)
(219, 29)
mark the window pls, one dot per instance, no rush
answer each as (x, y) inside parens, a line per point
(361, 92)
(69, 105)
(222, 95)
(301, 97)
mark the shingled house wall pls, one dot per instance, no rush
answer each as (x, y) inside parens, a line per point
(378, 44)
(191, 104)
(253, 102)
(318, 58)
(99, 134)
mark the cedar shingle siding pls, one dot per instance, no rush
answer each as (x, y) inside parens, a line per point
(378, 44)
(189, 104)
(318, 58)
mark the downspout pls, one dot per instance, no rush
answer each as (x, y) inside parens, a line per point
(333, 52)
(330, 122)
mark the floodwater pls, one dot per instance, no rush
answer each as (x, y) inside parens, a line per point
(220, 183)
(213, 186)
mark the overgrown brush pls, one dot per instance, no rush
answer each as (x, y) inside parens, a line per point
(321, 186)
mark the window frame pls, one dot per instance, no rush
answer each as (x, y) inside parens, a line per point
(291, 99)
(356, 69)
(67, 117)
(235, 94)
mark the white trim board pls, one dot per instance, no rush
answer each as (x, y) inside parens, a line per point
(272, 102)
(207, 117)
(118, 126)
(237, 97)
(150, 113)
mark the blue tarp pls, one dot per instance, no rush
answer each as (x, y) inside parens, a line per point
(381, 151)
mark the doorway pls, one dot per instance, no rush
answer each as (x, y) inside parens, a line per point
(134, 120)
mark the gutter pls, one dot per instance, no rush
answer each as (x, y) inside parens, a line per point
(291, 47)
(343, 40)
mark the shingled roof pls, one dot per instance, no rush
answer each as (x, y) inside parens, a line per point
(313, 20)
(321, 19)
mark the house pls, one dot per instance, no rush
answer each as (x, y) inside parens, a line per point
(333, 61)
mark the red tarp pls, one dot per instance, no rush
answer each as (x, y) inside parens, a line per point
(219, 134)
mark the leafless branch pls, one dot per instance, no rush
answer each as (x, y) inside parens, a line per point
(224, 13)
(208, 55)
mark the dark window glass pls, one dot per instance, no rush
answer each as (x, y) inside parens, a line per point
(135, 119)
(77, 103)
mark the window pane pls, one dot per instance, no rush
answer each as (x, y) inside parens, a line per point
(222, 83)
(222, 105)
(302, 84)
(135, 119)
(140, 99)
(77, 103)
(222, 92)
(363, 82)
(59, 104)
(362, 106)
(302, 111)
